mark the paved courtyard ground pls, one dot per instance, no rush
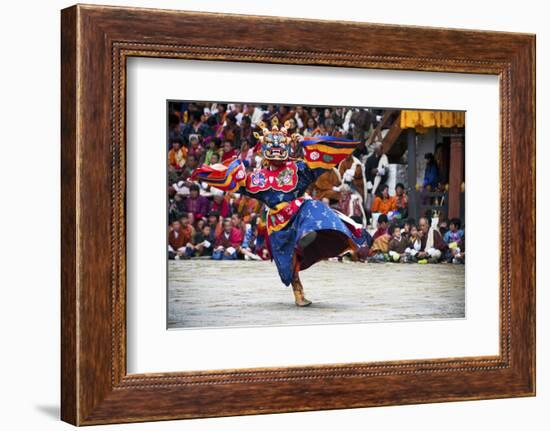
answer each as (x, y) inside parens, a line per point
(204, 293)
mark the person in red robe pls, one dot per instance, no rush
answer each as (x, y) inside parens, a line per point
(220, 205)
(228, 242)
(179, 235)
(196, 204)
(228, 151)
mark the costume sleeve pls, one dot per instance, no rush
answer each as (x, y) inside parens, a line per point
(228, 177)
(325, 152)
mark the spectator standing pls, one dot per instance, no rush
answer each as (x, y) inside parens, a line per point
(351, 204)
(431, 173)
(375, 172)
(352, 172)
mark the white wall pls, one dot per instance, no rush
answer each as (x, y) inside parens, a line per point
(29, 219)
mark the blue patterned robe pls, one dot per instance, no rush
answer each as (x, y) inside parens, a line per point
(335, 235)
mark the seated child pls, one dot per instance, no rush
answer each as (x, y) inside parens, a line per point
(414, 245)
(454, 238)
(398, 244)
(407, 225)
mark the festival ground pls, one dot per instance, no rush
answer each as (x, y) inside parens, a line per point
(203, 293)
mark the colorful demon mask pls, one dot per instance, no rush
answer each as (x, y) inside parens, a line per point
(275, 142)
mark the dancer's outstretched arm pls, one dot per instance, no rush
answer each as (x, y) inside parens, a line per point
(230, 177)
(322, 153)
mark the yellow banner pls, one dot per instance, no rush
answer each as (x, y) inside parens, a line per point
(425, 119)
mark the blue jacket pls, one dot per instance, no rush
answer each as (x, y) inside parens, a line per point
(431, 175)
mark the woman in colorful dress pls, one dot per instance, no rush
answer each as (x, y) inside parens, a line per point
(300, 231)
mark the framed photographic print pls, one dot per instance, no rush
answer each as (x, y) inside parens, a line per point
(258, 224)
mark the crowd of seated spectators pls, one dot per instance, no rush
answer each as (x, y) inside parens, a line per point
(206, 222)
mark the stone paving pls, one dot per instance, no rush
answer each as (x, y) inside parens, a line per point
(204, 293)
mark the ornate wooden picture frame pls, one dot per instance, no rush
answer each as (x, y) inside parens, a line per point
(96, 41)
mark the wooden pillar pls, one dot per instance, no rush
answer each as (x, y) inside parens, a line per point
(456, 173)
(411, 173)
